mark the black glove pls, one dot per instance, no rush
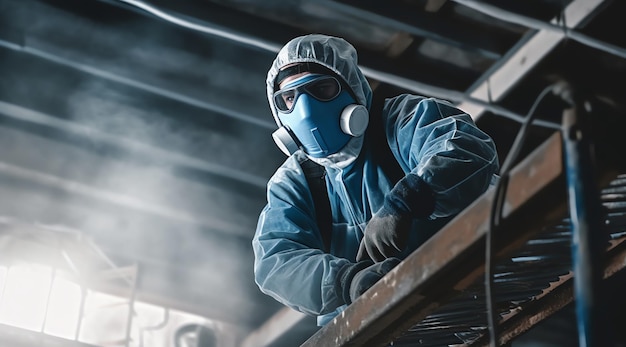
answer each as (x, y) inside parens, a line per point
(355, 278)
(387, 233)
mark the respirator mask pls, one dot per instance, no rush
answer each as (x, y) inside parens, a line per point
(317, 114)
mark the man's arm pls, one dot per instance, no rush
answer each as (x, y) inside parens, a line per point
(449, 160)
(289, 264)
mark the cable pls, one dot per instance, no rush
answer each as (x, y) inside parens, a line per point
(497, 208)
(523, 132)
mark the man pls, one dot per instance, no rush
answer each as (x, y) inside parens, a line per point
(322, 104)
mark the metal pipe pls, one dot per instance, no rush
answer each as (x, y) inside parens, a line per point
(204, 28)
(588, 237)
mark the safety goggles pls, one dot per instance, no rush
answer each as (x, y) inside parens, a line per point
(323, 88)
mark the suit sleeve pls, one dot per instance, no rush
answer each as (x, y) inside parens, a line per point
(289, 262)
(443, 146)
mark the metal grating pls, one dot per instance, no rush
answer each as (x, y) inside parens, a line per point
(529, 274)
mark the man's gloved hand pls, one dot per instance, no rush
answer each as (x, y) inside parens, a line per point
(387, 233)
(356, 278)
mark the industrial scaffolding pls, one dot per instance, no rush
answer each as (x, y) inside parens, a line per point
(557, 238)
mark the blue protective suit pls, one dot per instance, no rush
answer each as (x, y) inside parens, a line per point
(428, 137)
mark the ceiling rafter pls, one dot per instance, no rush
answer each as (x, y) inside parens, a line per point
(31, 116)
(513, 67)
(150, 88)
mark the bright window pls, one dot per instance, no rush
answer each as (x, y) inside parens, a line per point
(63, 309)
(25, 294)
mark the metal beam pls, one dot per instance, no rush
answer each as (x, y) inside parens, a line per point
(513, 67)
(39, 118)
(533, 23)
(455, 38)
(482, 104)
(150, 88)
(405, 296)
(119, 199)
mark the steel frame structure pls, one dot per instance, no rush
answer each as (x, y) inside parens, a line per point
(453, 259)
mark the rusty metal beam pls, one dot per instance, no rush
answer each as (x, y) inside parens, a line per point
(454, 258)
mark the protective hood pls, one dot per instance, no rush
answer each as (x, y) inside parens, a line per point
(334, 53)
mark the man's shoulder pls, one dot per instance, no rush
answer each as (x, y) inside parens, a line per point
(402, 100)
(291, 169)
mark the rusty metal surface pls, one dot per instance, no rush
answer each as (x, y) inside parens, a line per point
(535, 282)
(447, 266)
(443, 302)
